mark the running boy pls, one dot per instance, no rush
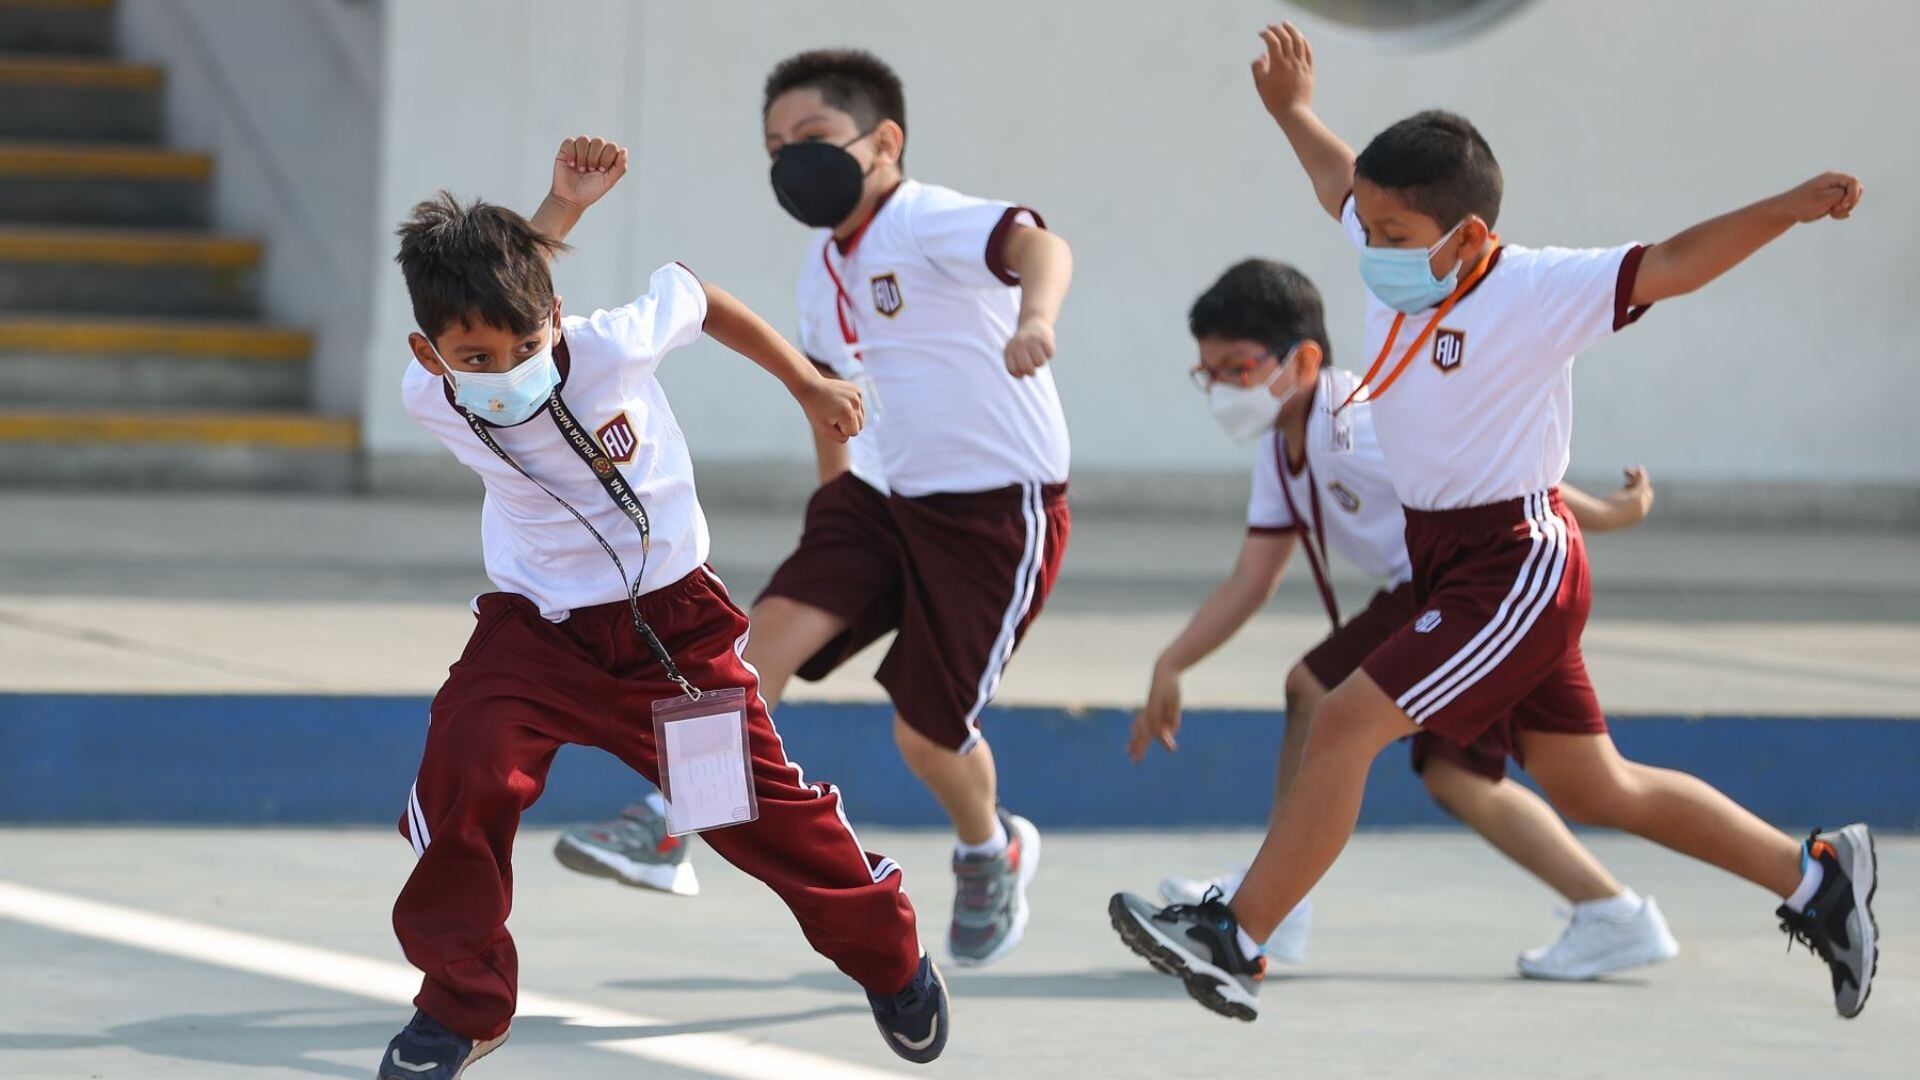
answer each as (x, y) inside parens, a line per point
(1472, 390)
(948, 523)
(605, 609)
(1320, 483)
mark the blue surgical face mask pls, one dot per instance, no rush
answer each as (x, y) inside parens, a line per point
(508, 397)
(1402, 278)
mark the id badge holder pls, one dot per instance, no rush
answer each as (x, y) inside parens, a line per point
(706, 771)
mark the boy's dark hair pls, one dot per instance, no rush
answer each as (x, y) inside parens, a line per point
(1438, 163)
(475, 263)
(854, 81)
(1265, 301)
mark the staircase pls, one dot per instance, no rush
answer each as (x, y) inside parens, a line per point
(132, 351)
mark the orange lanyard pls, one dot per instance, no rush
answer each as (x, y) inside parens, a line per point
(1375, 393)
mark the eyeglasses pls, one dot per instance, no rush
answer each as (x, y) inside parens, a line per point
(1238, 373)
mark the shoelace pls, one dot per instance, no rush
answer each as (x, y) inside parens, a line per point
(977, 884)
(1803, 929)
(1172, 912)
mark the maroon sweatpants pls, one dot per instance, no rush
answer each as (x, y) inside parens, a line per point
(526, 686)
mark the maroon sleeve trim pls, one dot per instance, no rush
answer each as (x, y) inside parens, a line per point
(1624, 313)
(1272, 530)
(824, 368)
(689, 270)
(997, 242)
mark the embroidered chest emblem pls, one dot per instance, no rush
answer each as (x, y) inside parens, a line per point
(1449, 348)
(617, 437)
(886, 295)
(1344, 496)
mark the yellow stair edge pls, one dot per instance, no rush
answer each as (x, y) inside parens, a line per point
(74, 73)
(152, 337)
(283, 431)
(101, 162)
(128, 247)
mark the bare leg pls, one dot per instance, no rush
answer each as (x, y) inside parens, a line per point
(965, 784)
(1304, 694)
(1523, 827)
(1589, 782)
(786, 634)
(1313, 823)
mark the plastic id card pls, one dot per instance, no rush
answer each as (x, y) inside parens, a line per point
(706, 773)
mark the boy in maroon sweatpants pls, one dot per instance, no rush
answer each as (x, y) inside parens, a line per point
(605, 609)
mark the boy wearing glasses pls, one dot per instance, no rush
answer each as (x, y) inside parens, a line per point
(1321, 483)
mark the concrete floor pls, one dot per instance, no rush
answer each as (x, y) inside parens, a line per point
(1409, 974)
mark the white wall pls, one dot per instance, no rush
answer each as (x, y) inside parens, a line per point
(1133, 127)
(286, 95)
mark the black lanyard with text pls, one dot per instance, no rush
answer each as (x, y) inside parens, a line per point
(1317, 557)
(622, 495)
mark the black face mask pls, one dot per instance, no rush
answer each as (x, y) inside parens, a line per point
(817, 182)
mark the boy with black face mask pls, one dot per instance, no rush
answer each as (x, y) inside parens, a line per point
(946, 519)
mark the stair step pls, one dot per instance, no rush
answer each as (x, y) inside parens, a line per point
(62, 449)
(127, 271)
(79, 99)
(57, 26)
(56, 183)
(158, 364)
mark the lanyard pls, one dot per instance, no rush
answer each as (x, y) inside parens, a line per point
(1317, 558)
(1375, 393)
(842, 301)
(623, 496)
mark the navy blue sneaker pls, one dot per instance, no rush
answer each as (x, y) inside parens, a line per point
(914, 1021)
(426, 1050)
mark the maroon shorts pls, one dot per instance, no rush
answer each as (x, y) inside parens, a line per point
(1342, 652)
(1495, 648)
(960, 577)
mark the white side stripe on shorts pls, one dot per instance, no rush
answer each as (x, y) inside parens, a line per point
(1533, 591)
(1026, 582)
(417, 822)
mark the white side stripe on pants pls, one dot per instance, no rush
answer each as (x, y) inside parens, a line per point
(1026, 581)
(1533, 591)
(417, 822)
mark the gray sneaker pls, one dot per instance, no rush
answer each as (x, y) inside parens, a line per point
(990, 900)
(633, 849)
(1837, 923)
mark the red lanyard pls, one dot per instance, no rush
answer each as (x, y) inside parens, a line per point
(1317, 559)
(842, 302)
(1375, 393)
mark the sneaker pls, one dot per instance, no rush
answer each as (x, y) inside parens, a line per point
(633, 849)
(1837, 924)
(1593, 945)
(990, 899)
(1289, 941)
(1199, 945)
(426, 1050)
(914, 1021)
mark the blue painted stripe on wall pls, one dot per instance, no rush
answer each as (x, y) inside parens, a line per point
(317, 760)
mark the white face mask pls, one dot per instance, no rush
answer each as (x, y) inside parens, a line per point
(1248, 412)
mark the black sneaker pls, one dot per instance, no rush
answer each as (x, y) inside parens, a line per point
(426, 1050)
(1198, 944)
(914, 1021)
(1838, 922)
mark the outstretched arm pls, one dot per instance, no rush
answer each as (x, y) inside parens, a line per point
(1045, 265)
(584, 169)
(1692, 258)
(832, 406)
(1623, 509)
(1283, 75)
(1262, 562)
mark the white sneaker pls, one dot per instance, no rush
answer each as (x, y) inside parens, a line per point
(1594, 945)
(1289, 941)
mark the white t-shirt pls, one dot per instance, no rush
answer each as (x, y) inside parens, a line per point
(1363, 521)
(533, 547)
(1484, 413)
(933, 304)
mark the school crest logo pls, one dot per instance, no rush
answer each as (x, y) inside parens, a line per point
(617, 437)
(886, 295)
(1425, 624)
(1449, 348)
(1344, 496)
